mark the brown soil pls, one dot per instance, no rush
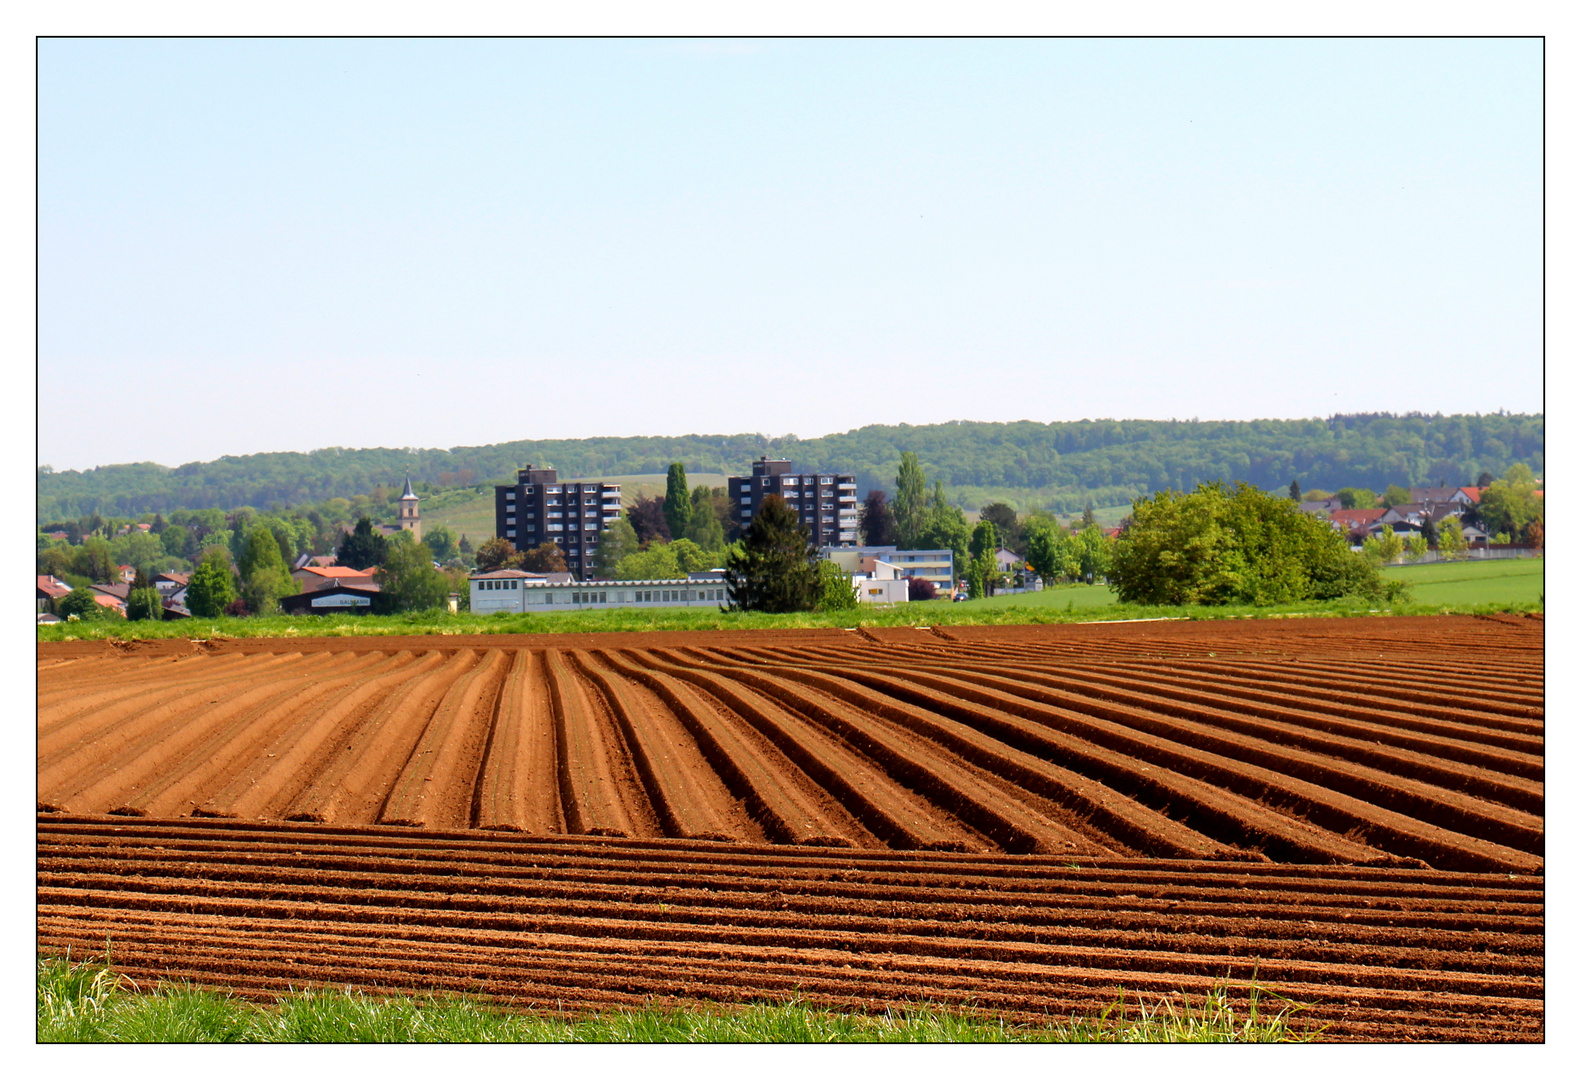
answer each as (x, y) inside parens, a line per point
(1352, 807)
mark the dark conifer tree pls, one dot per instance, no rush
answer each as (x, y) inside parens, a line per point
(677, 501)
(878, 521)
(1295, 491)
(362, 547)
(776, 567)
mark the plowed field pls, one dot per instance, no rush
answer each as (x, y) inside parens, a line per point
(1021, 818)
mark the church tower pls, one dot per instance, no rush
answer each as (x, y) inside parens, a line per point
(409, 518)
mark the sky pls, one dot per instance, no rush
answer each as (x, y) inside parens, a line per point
(292, 244)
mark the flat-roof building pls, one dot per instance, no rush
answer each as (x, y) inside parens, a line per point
(539, 508)
(824, 503)
(936, 566)
(519, 591)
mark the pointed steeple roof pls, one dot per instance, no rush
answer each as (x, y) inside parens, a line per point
(408, 494)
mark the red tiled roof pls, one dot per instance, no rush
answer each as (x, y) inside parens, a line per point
(1354, 518)
(104, 600)
(51, 587)
(1473, 493)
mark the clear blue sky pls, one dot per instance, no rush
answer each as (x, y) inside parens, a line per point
(260, 245)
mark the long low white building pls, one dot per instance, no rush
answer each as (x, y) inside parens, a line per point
(517, 590)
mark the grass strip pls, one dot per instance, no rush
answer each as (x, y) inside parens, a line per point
(999, 611)
(86, 1002)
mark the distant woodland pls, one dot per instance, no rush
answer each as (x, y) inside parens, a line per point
(1059, 467)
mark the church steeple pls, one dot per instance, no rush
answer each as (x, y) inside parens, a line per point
(409, 518)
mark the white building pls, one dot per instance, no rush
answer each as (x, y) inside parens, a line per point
(519, 591)
(880, 583)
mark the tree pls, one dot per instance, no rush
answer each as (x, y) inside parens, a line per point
(919, 588)
(648, 521)
(617, 541)
(93, 561)
(1395, 495)
(1005, 524)
(546, 558)
(911, 501)
(177, 539)
(1051, 551)
(677, 501)
(690, 557)
(465, 545)
(1390, 545)
(83, 603)
(407, 579)
(656, 563)
(876, 524)
(497, 553)
(1451, 541)
(775, 569)
(1511, 504)
(1094, 554)
(1484, 478)
(1351, 498)
(982, 568)
(945, 528)
(145, 603)
(211, 589)
(710, 511)
(441, 542)
(1088, 518)
(1295, 491)
(263, 572)
(362, 547)
(1215, 546)
(836, 592)
(1415, 546)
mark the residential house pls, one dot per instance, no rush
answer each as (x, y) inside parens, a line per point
(1322, 507)
(1434, 496)
(1356, 524)
(50, 590)
(1007, 560)
(112, 597)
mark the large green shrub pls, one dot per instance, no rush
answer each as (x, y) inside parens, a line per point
(1221, 546)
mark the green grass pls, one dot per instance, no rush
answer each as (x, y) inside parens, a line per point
(998, 611)
(1490, 581)
(80, 1002)
(1074, 597)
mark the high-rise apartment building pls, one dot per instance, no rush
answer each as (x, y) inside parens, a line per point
(824, 503)
(539, 508)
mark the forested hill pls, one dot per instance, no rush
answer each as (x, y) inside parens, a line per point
(1058, 465)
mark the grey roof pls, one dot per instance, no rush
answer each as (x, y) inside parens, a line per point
(408, 494)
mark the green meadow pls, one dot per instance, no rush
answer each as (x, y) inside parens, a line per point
(1491, 581)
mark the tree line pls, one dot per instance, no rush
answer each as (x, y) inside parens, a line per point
(1057, 466)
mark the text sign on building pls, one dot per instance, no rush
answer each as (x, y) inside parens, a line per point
(340, 601)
